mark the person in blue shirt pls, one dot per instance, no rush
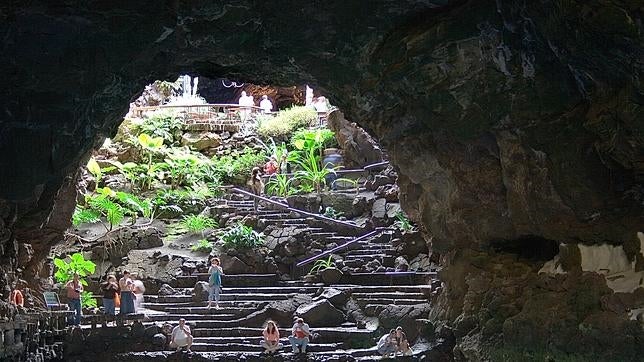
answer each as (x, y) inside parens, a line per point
(214, 282)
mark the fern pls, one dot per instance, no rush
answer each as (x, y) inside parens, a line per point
(198, 223)
(84, 216)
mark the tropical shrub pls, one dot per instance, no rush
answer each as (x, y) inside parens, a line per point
(183, 167)
(286, 122)
(97, 172)
(165, 124)
(77, 265)
(236, 168)
(198, 223)
(242, 237)
(203, 246)
(322, 264)
(310, 172)
(279, 185)
(319, 138)
(402, 222)
(88, 300)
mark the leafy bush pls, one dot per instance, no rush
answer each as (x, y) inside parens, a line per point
(203, 246)
(332, 213)
(310, 173)
(236, 168)
(402, 222)
(322, 264)
(77, 264)
(95, 169)
(279, 185)
(321, 137)
(198, 223)
(286, 122)
(242, 237)
(165, 125)
(88, 300)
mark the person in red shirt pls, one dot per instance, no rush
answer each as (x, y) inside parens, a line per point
(271, 166)
(74, 290)
(271, 342)
(16, 297)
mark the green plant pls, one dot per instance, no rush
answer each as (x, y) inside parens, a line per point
(183, 166)
(402, 222)
(332, 213)
(97, 172)
(104, 206)
(88, 300)
(322, 264)
(320, 138)
(165, 125)
(203, 246)
(310, 171)
(353, 183)
(150, 147)
(286, 122)
(198, 223)
(279, 185)
(242, 237)
(236, 168)
(77, 265)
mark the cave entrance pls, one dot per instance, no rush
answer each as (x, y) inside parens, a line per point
(529, 247)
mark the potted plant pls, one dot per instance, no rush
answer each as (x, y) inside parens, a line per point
(327, 271)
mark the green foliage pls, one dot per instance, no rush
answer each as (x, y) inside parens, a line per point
(88, 300)
(242, 237)
(353, 183)
(114, 207)
(279, 185)
(286, 122)
(322, 264)
(402, 222)
(332, 213)
(103, 204)
(319, 138)
(77, 264)
(236, 168)
(85, 216)
(183, 167)
(203, 246)
(310, 173)
(95, 169)
(165, 125)
(197, 223)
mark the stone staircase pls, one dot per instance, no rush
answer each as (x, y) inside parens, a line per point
(232, 331)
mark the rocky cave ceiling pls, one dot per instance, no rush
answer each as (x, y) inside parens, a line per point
(505, 118)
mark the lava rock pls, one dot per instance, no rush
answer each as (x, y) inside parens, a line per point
(166, 290)
(321, 314)
(200, 292)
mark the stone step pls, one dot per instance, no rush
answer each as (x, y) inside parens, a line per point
(388, 278)
(227, 297)
(174, 317)
(239, 347)
(370, 252)
(225, 308)
(386, 301)
(325, 333)
(237, 280)
(391, 295)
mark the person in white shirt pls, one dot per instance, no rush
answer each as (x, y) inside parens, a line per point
(181, 336)
(266, 105)
(300, 337)
(245, 102)
(321, 105)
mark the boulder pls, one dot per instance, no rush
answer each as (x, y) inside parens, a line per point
(331, 275)
(234, 265)
(159, 340)
(200, 292)
(150, 238)
(401, 264)
(340, 202)
(166, 290)
(320, 313)
(379, 209)
(200, 140)
(420, 263)
(335, 296)
(359, 148)
(309, 202)
(404, 316)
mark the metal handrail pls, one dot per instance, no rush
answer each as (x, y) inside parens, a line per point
(213, 105)
(332, 250)
(292, 209)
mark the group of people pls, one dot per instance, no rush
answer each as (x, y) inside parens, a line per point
(274, 166)
(393, 343)
(127, 294)
(246, 101)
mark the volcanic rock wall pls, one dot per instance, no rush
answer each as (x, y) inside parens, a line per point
(514, 126)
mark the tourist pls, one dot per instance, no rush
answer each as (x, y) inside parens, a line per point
(271, 167)
(271, 333)
(266, 105)
(387, 344)
(320, 105)
(245, 102)
(256, 184)
(181, 336)
(214, 282)
(332, 160)
(402, 342)
(300, 336)
(127, 297)
(15, 297)
(74, 290)
(138, 289)
(283, 165)
(110, 292)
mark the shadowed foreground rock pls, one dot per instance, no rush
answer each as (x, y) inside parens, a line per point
(514, 125)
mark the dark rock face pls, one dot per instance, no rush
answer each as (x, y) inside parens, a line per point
(505, 119)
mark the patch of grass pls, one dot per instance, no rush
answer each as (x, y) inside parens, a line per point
(202, 246)
(286, 122)
(198, 223)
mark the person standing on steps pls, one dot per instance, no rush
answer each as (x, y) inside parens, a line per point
(300, 336)
(256, 184)
(214, 282)
(271, 342)
(110, 290)
(266, 105)
(271, 167)
(127, 297)
(74, 290)
(181, 336)
(138, 289)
